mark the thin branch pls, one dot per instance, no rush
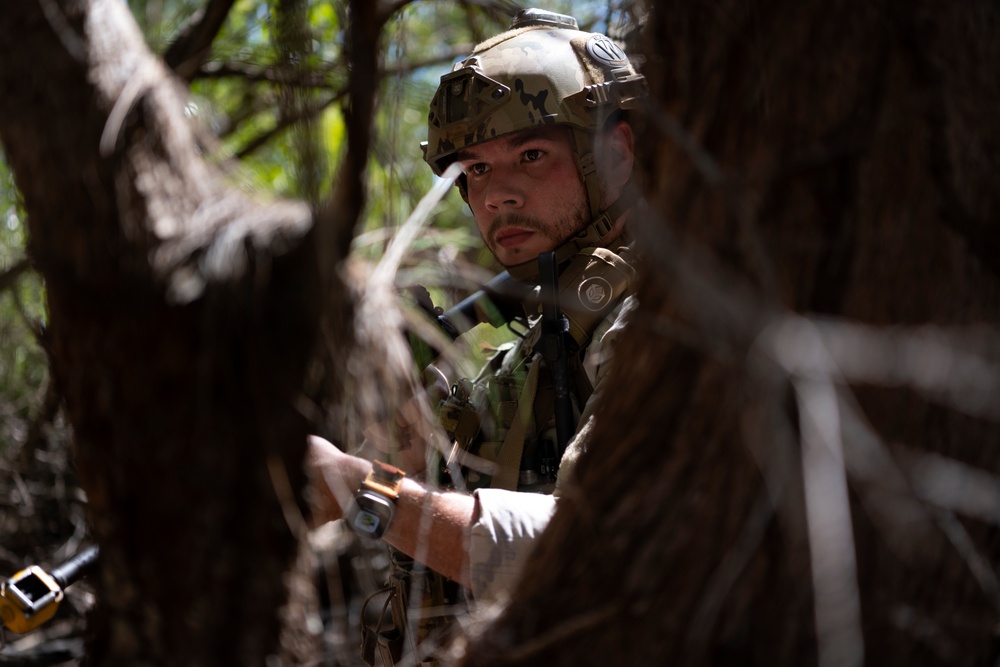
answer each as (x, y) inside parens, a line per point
(283, 124)
(37, 327)
(268, 74)
(362, 49)
(319, 78)
(390, 7)
(194, 43)
(456, 51)
(9, 277)
(252, 104)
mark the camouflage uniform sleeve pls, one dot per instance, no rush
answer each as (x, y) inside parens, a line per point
(597, 362)
(510, 521)
(501, 539)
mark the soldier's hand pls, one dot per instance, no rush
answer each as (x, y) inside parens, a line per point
(331, 476)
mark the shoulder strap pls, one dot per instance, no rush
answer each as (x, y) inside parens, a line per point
(509, 459)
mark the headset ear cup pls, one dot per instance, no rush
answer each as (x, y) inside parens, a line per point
(592, 284)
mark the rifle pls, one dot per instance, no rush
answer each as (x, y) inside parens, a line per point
(31, 596)
(500, 301)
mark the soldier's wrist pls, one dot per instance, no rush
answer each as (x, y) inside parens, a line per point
(374, 504)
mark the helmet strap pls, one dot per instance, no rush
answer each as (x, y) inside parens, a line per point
(594, 235)
(586, 165)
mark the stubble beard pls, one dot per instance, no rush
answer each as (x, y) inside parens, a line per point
(566, 227)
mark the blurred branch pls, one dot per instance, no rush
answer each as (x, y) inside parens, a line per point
(194, 43)
(9, 277)
(41, 422)
(252, 103)
(268, 74)
(319, 78)
(295, 50)
(284, 123)
(456, 51)
(36, 326)
(387, 9)
(500, 10)
(363, 49)
(314, 79)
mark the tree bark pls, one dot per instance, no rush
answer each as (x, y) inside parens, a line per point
(806, 401)
(181, 312)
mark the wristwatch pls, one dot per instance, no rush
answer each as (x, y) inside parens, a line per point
(375, 500)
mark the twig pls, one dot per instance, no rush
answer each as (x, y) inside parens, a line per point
(9, 277)
(194, 43)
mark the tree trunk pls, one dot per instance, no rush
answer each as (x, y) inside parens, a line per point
(809, 475)
(180, 316)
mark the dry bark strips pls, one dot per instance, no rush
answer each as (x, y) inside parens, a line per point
(833, 160)
(181, 315)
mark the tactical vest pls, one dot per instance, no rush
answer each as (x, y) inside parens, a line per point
(502, 426)
(502, 421)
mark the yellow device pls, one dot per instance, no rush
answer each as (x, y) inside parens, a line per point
(31, 596)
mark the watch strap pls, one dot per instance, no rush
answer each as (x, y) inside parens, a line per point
(384, 479)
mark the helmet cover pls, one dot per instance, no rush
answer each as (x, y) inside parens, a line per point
(541, 72)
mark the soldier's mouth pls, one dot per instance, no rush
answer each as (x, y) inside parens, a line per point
(512, 236)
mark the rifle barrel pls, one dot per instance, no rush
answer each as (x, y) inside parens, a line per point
(500, 300)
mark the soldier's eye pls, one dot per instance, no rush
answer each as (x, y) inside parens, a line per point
(477, 169)
(532, 154)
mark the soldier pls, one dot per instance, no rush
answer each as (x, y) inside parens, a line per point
(536, 117)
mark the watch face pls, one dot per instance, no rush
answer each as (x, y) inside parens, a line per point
(371, 514)
(366, 522)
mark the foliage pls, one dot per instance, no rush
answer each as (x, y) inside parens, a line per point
(23, 370)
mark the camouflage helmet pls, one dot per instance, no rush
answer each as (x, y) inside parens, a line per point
(543, 71)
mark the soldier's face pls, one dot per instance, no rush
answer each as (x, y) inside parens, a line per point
(525, 192)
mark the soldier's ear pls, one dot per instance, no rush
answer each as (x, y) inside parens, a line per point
(617, 146)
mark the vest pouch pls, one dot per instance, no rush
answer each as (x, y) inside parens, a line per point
(457, 415)
(478, 415)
